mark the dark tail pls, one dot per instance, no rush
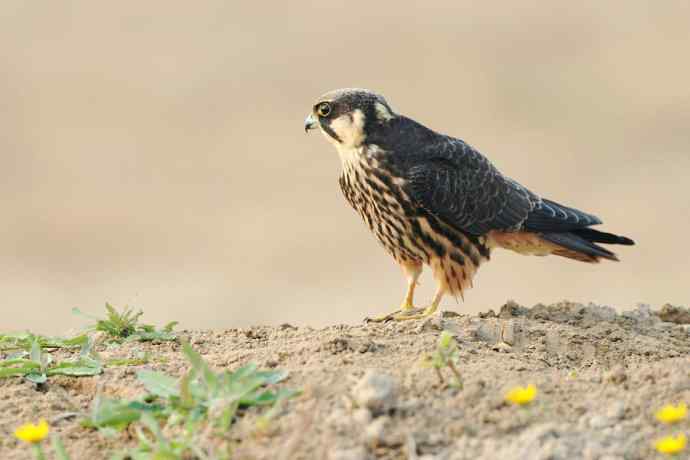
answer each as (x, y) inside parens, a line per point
(580, 244)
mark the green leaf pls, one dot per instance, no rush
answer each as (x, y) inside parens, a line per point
(200, 367)
(186, 396)
(24, 340)
(21, 361)
(112, 413)
(272, 377)
(151, 336)
(36, 377)
(77, 341)
(244, 371)
(59, 448)
(259, 398)
(444, 340)
(169, 327)
(35, 351)
(127, 361)
(266, 397)
(81, 367)
(159, 384)
(17, 371)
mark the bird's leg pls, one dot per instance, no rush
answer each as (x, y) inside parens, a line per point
(428, 311)
(412, 272)
(408, 302)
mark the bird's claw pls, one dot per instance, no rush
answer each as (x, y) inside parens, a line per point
(402, 315)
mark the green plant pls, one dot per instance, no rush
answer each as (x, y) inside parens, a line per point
(154, 444)
(199, 405)
(142, 358)
(124, 326)
(59, 448)
(23, 341)
(446, 355)
(112, 415)
(36, 365)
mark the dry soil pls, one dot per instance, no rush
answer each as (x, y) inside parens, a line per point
(367, 395)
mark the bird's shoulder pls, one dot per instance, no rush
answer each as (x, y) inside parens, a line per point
(456, 182)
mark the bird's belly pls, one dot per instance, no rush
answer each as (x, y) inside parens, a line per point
(388, 222)
(386, 210)
(409, 233)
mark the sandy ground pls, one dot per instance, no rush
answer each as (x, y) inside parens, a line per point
(600, 374)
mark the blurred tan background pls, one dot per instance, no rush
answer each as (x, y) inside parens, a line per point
(153, 153)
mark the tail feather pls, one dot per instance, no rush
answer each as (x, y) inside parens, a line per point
(578, 244)
(577, 247)
(595, 236)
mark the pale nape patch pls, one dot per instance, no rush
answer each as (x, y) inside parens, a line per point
(383, 113)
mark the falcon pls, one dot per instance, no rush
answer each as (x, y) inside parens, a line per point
(432, 199)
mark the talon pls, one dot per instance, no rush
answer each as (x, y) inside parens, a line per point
(384, 318)
(404, 315)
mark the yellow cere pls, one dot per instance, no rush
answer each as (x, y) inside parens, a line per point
(672, 414)
(522, 395)
(671, 444)
(32, 433)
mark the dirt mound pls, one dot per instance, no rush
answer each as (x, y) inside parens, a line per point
(368, 394)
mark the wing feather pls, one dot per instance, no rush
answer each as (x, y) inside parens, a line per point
(460, 186)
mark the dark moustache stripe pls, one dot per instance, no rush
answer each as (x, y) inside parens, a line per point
(326, 127)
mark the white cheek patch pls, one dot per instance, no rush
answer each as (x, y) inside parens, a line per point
(349, 128)
(382, 112)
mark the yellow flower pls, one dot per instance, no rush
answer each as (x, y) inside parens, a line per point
(522, 395)
(670, 444)
(32, 433)
(672, 414)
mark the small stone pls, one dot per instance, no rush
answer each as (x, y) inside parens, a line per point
(361, 416)
(616, 411)
(502, 347)
(357, 453)
(376, 391)
(434, 439)
(336, 345)
(674, 314)
(511, 309)
(375, 432)
(599, 421)
(432, 323)
(338, 419)
(617, 375)
(487, 332)
(368, 347)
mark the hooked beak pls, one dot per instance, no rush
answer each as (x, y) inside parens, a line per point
(310, 123)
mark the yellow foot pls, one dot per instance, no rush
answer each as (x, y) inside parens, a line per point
(404, 314)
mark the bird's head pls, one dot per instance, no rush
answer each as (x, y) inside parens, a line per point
(347, 117)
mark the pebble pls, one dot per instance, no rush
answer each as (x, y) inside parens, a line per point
(599, 421)
(357, 453)
(616, 411)
(376, 391)
(361, 416)
(617, 375)
(375, 432)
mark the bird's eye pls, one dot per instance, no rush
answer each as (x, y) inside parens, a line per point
(324, 109)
